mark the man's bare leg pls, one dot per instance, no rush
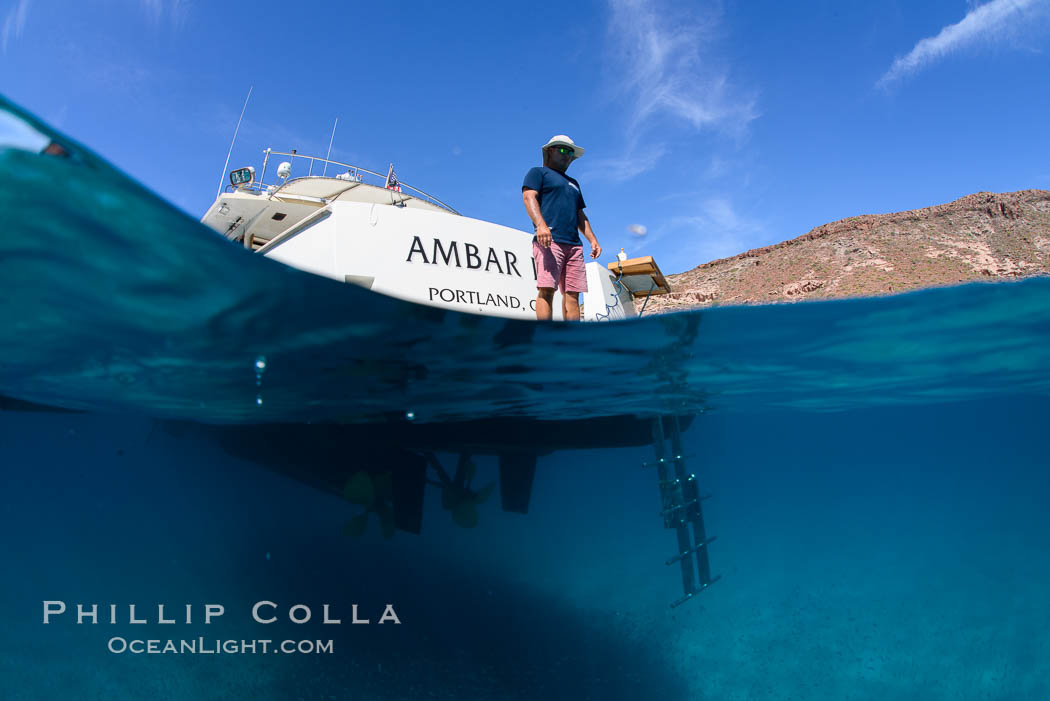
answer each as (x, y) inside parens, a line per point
(571, 306)
(544, 303)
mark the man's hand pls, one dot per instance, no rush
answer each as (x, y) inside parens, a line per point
(532, 206)
(585, 228)
(543, 236)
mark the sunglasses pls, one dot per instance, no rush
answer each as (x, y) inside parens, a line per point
(565, 151)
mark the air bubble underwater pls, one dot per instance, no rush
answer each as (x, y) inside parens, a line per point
(260, 368)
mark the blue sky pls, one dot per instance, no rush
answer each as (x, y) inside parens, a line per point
(717, 126)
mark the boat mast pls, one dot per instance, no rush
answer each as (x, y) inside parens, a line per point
(329, 155)
(222, 176)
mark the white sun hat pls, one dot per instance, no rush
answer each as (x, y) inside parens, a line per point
(562, 140)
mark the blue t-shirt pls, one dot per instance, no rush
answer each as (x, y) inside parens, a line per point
(560, 202)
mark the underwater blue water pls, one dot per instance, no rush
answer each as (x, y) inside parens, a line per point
(877, 468)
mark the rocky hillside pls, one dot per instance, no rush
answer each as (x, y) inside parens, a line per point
(986, 236)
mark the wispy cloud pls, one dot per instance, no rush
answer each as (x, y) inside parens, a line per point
(667, 69)
(14, 23)
(172, 12)
(620, 169)
(717, 230)
(989, 22)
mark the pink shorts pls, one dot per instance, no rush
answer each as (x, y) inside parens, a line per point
(560, 267)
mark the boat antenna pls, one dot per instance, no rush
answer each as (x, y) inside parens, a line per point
(222, 176)
(330, 147)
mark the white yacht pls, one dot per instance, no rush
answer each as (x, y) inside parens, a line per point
(368, 229)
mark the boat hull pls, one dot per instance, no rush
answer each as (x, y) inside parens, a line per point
(434, 258)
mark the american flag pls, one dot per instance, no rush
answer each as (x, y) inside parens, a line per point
(391, 180)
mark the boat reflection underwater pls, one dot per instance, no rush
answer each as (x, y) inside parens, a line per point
(394, 462)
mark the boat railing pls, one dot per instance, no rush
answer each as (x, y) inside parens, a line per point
(351, 173)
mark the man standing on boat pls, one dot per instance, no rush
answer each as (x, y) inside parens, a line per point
(555, 205)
